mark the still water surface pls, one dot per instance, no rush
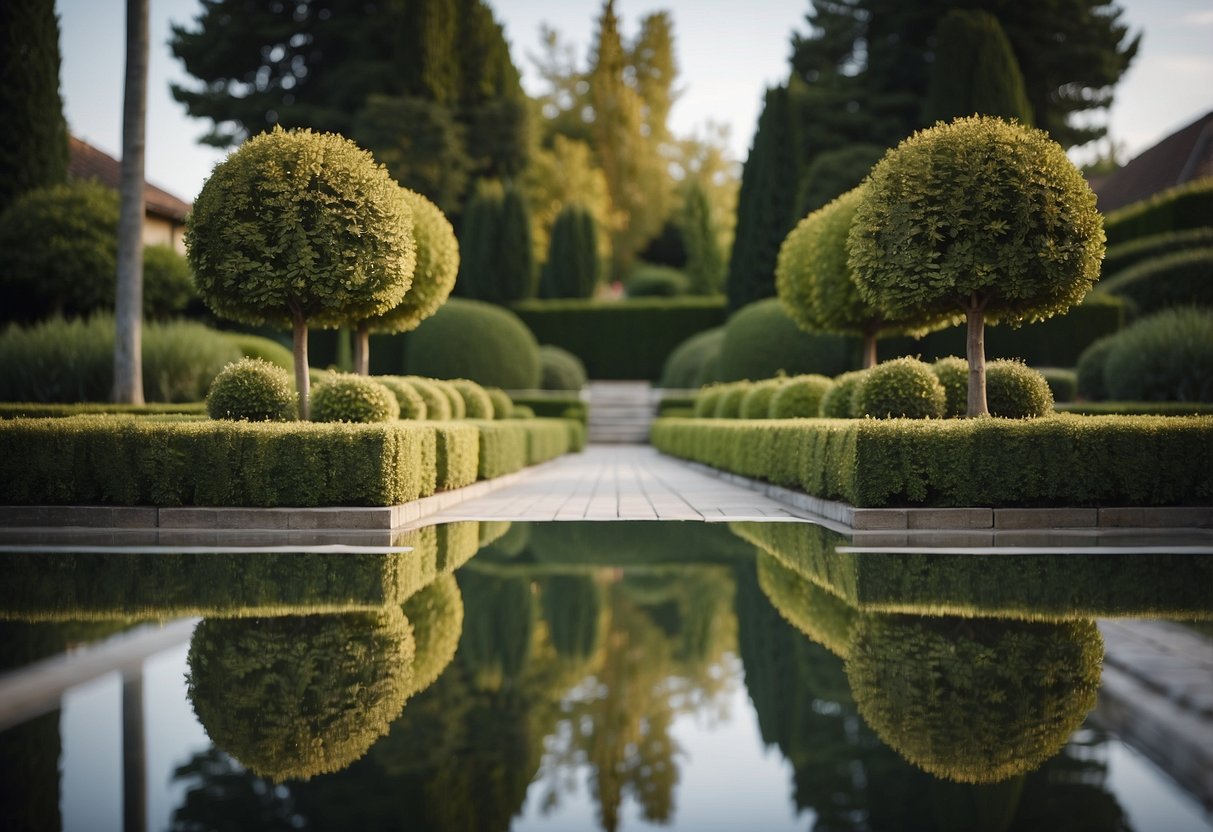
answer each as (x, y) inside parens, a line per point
(582, 676)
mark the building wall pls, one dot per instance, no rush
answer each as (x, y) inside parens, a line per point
(159, 231)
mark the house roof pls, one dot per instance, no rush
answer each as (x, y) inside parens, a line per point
(1181, 157)
(87, 162)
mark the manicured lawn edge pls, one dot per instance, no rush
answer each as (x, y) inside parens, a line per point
(1062, 460)
(132, 461)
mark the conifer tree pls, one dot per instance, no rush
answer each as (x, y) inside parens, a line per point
(478, 245)
(515, 253)
(975, 71)
(704, 265)
(33, 145)
(572, 267)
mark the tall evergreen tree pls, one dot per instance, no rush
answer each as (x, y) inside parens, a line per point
(975, 71)
(572, 267)
(478, 246)
(515, 253)
(704, 265)
(33, 148)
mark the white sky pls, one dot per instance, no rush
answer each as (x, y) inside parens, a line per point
(728, 53)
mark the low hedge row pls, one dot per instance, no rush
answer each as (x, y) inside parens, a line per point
(1175, 209)
(1062, 460)
(126, 460)
(555, 406)
(1184, 277)
(625, 339)
(46, 410)
(509, 446)
(1136, 408)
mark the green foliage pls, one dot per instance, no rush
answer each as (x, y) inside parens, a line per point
(572, 268)
(728, 406)
(477, 403)
(760, 340)
(1063, 383)
(411, 403)
(975, 71)
(757, 401)
(350, 398)
(39, 410)
(1181, 208)
(1057, 460)
(559, 369)
(1016, 391)
(974, 701)
(1185, 277)
(650, 281)
(801, 397)
(834, 172)
(437, 405)
(953, 374)
(252, 389)
(667, 248)
(298, 696)
(903, 387)
(621, 340)
(474, 340)
(1166, 357)
(684, 365)
(516, 254)
(168, 283)
(1123, 255)
(705, 266)
(839, 402)
(574, 608)
(823, 617)
(521, 411)
(458, 455)
(1131, 408)
(1090, 369)
(503, 405)
(454, 400)
(707, 399)
(254, 346)
(498, 262)
(72, 361)
(33, 155)
(436, 613)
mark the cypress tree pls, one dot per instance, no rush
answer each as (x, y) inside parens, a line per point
(478, 247)
(515, 252)
(975, 71)
(572, 267)
(705, 266)
(33, 147)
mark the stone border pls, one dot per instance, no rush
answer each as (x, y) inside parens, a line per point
(968, 519)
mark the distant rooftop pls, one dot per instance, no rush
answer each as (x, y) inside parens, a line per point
(1181, 157)
(87, 162)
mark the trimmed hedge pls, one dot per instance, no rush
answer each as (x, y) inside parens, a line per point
(1184, 277)
(48, 410)
(1123, 256)
(621, 340)
(761, 339)
(1060, 460)
(509, 446)
(474, 340)
(555, 407)
(1176, 209)
(1136, 408)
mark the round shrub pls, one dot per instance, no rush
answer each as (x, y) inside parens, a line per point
(453, 399)
(1166, 357)
(903, 387)
(350, 398)
(800, 397)
(474, 340)
(682, 366)
(412, 405)
(437, 404)
(1063, 383)
(503, 405)
(559, 369)
(1090, 369)
(1016, 391)
(839, 401)
(521, 411)
(436, 613)
(657, 282)
(252, 389)
(706, 400)
(728, 406)
(760, 340)
(477, 403)
(757, 401)
(953, 374)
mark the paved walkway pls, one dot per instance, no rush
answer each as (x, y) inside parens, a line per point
(620, 482)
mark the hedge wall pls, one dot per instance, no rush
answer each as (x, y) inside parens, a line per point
(1176, 209)
(1062, 460)
(43, 410)
(625, 339)
(126, 460)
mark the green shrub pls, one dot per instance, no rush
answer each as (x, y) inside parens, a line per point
(568, 406)
(180, 358)
(255, 346)
(1016, 391)
(454, 399)
(412, 404)
(800, 397)
(757, 401)
(1123, 255)
(436, 613)
(521, 411)
(707, 399)
(903, 387)
(1090, 370)
(559, 369)
(839, 402)
(1128, 408)
(41, 410)
(252, 389)
(503, 405)
(728, 406)
(683, 366)
(953, 374)
(457, 455)
(437, 404)
(1063, 383)
(760, 340)
(477, 404)
(474, 340)
(1180, 208)
(621, 339)
(650, 281)
(1185, 277)
(1166, 357)
(350, 398)
(168, 283)
(572, 266)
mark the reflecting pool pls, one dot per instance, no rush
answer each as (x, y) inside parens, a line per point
(582, 676)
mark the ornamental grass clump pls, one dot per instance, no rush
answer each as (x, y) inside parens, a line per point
(252, 389)
(800, 397)
(1016, 391)
(904, 387)
(839, 401)
(757, 401)
(351, 398)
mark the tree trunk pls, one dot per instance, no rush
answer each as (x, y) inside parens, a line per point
(976, 317)
(302, 379)
(869, 351)
(134, 754)
(362, 351)
(128, 307)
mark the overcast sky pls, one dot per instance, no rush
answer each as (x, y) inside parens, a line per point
(726, 59)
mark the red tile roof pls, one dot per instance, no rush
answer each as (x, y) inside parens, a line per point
(1181, 157)
(87, 162)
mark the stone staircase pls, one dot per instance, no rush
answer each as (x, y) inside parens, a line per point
(621, 411)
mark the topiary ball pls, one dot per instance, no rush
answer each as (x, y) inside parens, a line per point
(757, 401)
(350, 398)
(412, 405)
(437, 404)
(521, 411)
(252, 389)
(800, 397)
(474, 340)
(454, 400)
(706, 400)
(436, 613)
(477, 404)
(503, 405)
(559, 369)
(903, 387)
(761, 339)
(953, 374)
(728, 406)
(1167, 357)
(839, 401)
(683, 366)
(1016, 391)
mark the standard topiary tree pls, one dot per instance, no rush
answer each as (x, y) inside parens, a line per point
(433, 278)
(903, 387)
(978, 217)
(573, 266)
(350, 398)
(472, 339)
(251, 389)
(299, 228)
